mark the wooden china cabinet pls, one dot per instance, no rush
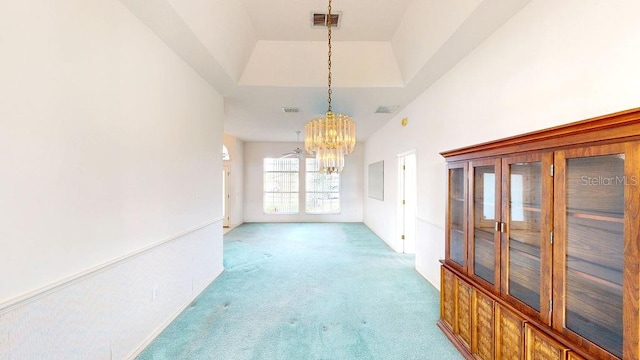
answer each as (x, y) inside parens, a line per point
(542, 244)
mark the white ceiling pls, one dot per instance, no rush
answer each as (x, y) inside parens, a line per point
(265, 55)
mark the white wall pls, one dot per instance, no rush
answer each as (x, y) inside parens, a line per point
(381, 215)
(209, 21)
(110, 200)
(438, 20)
(351, 185)
(236, 179)
(554, 62)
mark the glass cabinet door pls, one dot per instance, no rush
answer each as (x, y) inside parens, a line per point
(456, 215)
(527, 184)
(591, 188)
(485, 213)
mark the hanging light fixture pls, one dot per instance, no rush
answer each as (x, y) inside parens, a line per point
(333, 136)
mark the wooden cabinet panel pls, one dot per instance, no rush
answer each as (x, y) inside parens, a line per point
(631, 273)
(463, 312)
(574, 356)
(509, 335)
(483, 325)
(447, 311)
(542, 347)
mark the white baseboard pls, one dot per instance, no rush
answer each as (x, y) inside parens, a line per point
(169, 320)
(434, 282)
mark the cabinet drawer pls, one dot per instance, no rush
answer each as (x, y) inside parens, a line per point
(542, 347)
(483, 325)
(463, 312)
(574, 356)
(509, 335)
(447, 310)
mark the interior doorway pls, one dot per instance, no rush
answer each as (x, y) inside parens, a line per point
(225, 196)
(407, 194)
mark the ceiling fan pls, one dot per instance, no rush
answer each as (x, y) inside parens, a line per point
(295, 152)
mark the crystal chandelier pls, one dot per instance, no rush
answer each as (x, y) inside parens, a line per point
(333, 136)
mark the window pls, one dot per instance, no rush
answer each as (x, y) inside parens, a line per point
(323, 190)
(225, 153)
(280, 185)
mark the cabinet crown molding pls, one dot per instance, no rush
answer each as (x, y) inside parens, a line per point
(623, 125)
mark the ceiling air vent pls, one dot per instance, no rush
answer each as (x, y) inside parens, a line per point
(386, 109)
(319, 20)
(290, 109)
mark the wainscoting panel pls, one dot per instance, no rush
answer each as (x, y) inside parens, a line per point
(4, 338)
(113, 312)
(429, 250)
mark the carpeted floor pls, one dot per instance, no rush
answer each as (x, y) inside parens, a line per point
(309, 291)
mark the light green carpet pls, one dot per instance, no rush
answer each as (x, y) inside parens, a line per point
(309, 291)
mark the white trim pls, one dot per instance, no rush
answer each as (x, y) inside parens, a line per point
(429, 223)
(410, 152)
(381, 238)
(83, 275)
(169, 320)
(434, 282)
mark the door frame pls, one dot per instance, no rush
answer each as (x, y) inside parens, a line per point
(406, 202)
(225, 196)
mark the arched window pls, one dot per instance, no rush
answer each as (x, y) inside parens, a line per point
(225, 153)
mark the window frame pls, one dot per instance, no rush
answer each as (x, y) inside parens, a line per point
(311, 167)
(294, 190)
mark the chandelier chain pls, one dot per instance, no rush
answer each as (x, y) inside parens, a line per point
(329, 55)
(332, 137)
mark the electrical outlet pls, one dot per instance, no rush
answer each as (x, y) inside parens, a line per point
(154, 294)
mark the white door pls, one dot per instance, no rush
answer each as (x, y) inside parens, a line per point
(225, 196)
(407, 202)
